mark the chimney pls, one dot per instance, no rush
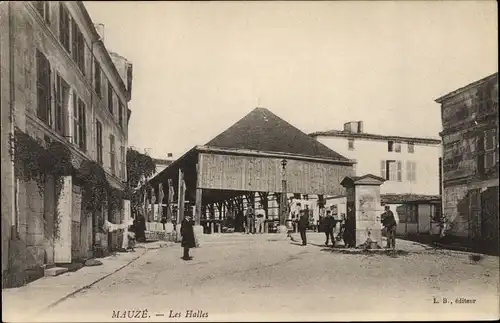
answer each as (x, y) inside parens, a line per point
(170, 155)
(360, 126)
(100, 30)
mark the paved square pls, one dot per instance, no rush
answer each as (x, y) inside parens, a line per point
(242, 278)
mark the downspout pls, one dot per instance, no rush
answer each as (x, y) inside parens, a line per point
(94, 224)
(14, 215)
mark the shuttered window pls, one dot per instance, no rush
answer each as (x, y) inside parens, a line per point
(490, 149)
(383, 168)
(78, 46)
(120, 114)
(43, 8)
(112, 154)
(97, 77)
(110, 98)
(61, 105)
(123, 160)
(411, 171)
(79, 123)
(64, 27)
(43, 88)
(399, 176)
(99, 141)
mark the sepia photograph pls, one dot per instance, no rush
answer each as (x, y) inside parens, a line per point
(249, 161)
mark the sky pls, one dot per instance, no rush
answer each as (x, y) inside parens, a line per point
(201, 66)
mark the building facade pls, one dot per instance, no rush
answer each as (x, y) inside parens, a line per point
(59, 84)
(470, 160)
(410, 165)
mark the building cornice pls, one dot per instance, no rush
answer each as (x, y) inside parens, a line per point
(344, 134)
(465, 88)
(97, 40)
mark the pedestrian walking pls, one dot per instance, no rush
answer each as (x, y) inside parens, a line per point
(389, 222)
(250, 217)
(303, 224)
(187, 233)
(328, 226)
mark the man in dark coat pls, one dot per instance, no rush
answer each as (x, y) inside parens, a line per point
(187, 234)
(303, 224)
(328, 226)
(140, 227)
(389, 222)
(250, 217)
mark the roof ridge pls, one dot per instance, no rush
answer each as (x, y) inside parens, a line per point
(261, 129)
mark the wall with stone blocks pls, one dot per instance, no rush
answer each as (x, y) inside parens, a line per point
(456, 209)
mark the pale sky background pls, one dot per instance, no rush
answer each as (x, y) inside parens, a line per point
(201, 66)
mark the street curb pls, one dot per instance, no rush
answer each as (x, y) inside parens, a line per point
(91, 284)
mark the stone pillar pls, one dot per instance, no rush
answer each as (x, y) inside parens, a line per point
(62, 244)
(363, 199)
(127, 220)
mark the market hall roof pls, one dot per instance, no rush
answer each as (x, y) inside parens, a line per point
(262, 130)
(259, 133)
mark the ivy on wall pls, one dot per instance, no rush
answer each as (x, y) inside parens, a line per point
(34, 162)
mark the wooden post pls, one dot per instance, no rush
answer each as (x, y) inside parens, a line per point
(180, 198)
(197, 219)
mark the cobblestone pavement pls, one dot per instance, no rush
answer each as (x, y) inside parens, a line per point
(254, 278)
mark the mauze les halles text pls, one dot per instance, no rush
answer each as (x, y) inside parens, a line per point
(143, 314)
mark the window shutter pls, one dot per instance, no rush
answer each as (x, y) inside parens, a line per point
(399, 171)
(480, 153)
(383, 169)
(414, 171)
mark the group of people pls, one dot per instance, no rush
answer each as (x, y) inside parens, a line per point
(255, 220)
(327, 225)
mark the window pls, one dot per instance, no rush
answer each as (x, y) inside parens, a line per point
(62, 95)
(43, 88)
(490, 149)
(397, 147)
(79, 122)
(411, 147)
(391, 170)
(391, 165)
(123, 162)
(354, 165)
(99, 141)
(64, 27)
(411, 171)
(112, 153)
(110, 97)
(78, 46)
(390, 146)
(97, 77)
(43, 8)
(120, 114)
(399, 176)
(350, 144)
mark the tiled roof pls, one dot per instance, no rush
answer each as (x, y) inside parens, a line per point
(261, 130)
